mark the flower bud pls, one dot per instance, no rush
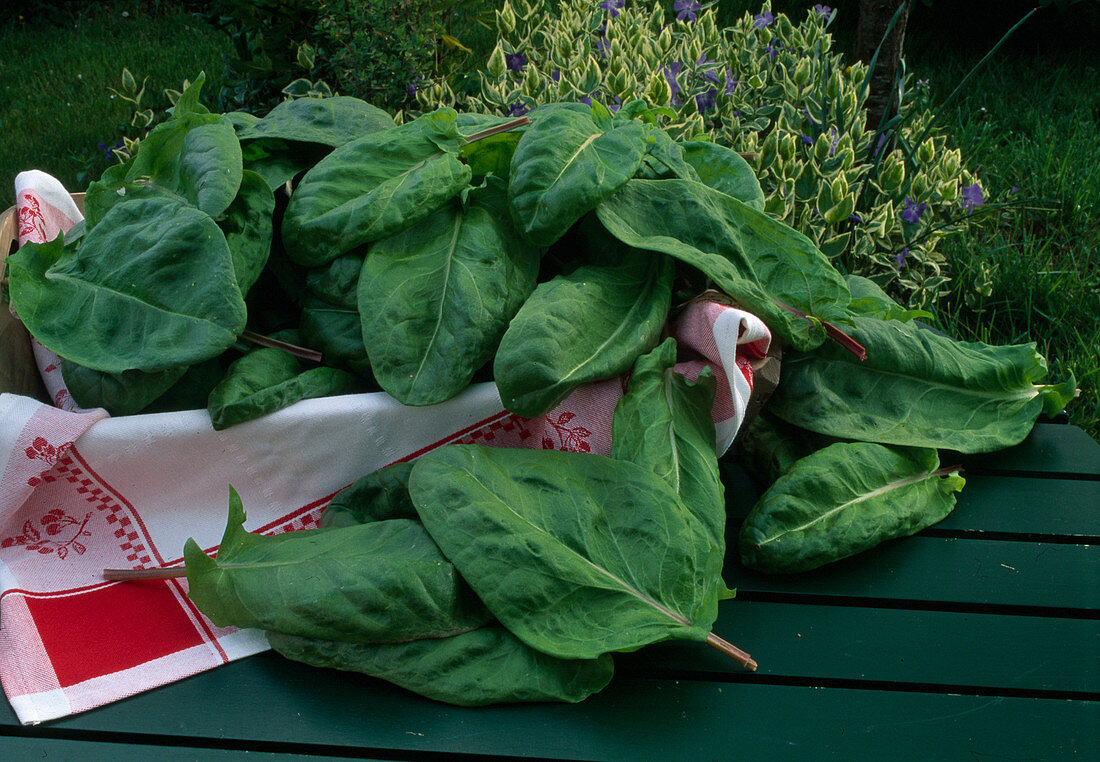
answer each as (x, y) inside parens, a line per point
(802, 72)
(506, 19)
(496, 66)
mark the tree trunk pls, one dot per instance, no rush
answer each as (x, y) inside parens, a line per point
(874, 18)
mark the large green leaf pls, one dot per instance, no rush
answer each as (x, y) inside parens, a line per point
(382, 582)
(566, 164)
(663, 423)
(576, 554)
(374, 187)
(759, 261)
(152, 286)
(338, 334)
(194, 155)
(869, 300)
(337, 282)
(436, 298)
(484, 666)
(724, 170)
(123, 393)
(918, 388)
(248, 227)
(329, 121)
(266, 380)
(844, 499)
(583, 326)
(378, 496)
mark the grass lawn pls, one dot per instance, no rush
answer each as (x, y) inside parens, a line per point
(1028, 121)
(55, 105)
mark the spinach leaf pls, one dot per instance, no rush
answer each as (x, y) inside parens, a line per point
(278, 162)
(374, 187)
(488, 665)
(192, 391)
(664, 158)
(918, 388)
(762, 263)
(123, 393)
(193, 154)
(266, 380)
(329, 121)
(336, 282)
(576, 554)
(382, 582)
(337, 332)
(768, 447)
(378, 496)
(869, 300)
(152, 284)
(566, 164)
(663, 423)
(844, 499)
(248, 227)
(724, 170)
(586, 325)
(436, 298)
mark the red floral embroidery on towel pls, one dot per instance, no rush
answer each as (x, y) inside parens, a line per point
(570, 439)
(31, 220)
(54, 523)
(42, 450)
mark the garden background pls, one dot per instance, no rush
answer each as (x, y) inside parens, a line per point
(82, 78)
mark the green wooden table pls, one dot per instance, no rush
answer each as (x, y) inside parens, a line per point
(977, 638)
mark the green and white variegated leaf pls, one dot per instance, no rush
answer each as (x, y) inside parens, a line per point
(436, 298)
(844, 499)
(664, 424)
(373, 187)
(576, 554)
(918, 388)
(761, 262)
(566, 164)
(583, 326)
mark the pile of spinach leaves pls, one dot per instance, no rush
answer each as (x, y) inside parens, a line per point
(543, 254)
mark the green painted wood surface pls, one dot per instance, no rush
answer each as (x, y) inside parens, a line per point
(47, 748)
(290, 706)
(1069, 508)
(855, 644)
(983, 648)
(946, 569)
(1050, 449)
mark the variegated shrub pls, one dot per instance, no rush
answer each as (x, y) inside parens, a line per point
(878, 203)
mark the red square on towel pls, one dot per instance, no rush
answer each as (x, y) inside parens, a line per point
(106, 629)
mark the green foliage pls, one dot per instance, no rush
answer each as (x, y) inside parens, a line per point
(842, 500)
(776, 92)
(377, 51)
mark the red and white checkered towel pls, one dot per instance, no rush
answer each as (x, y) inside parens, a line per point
(82, 491)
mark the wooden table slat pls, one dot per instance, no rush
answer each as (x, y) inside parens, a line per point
(1051, 448)
(265, 700)
(1019, 654)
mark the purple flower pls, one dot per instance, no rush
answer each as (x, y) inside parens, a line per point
(761, 20)
(613, 6)
(602, 45)
(705, 101)
(900, 257)
(710, 76)
(880, 144)
(515, 61)
(823, 11)
(585, 100)
(617, 104)
(807, 140)
(671, 72)
(517, 109)
(835, 139)
(913, 211)
(556, 75)
(855, 218)
(972, 197)
(773, 48)
(1013, 190)
(731, 83)
(686, 10)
